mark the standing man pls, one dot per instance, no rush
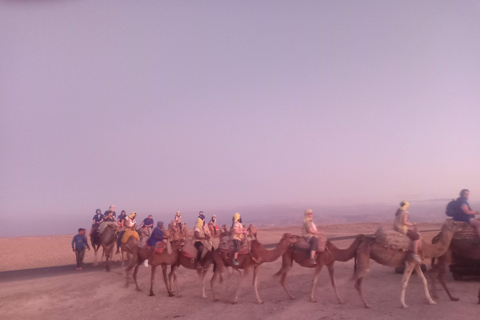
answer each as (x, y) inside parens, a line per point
(464, 212)
(79, 242)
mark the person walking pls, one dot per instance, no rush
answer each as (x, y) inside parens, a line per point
(79, 242)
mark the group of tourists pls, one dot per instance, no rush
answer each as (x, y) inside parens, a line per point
(458, 209)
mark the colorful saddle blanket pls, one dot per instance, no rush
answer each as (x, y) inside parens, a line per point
(392, 239)
(467, 234)
(226, 245)
(303, 244)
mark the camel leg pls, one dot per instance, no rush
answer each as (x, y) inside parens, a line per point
(212, 283)
(318, 268)
(164, 271)
(202, 278)
(173, 276)
(95, 262)
(152, 280)
(127, 271)
(331, 271)
(358, 287)
(363, 268)
(282, 281)
(409, 266)
(237, 292)
(418, 269)
(135, 277)
(440, 267)
(255, 282)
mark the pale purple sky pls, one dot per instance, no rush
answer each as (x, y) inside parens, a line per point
(158, 106)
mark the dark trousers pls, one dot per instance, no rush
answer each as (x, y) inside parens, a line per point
(79, 254)
(119, 239)
(198, 245)
(236, 245)
(313, 244)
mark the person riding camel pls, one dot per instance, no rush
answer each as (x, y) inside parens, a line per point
(121, 218)
(109, 217)
(148, 224)
(239, 233)
(178, 220)
(401, 224)
(465, 213)
(213, 222)
(200, 237)
(202, 217)
(111, 209)
(97, 219)
(130, 225)
(310, 233)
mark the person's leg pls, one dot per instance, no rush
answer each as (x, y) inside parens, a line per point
(199, 246)
(313, 248)
(119, 241)
(81, 256)
(77, 258)
(236, 245)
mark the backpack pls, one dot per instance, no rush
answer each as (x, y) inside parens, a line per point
(452, 208)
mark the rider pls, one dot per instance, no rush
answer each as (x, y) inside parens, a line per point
(202, 217)
(310, 232)
(178, 220)
(238, 235)
(121, 218)
(465, 213)
(148, 223)
(200, 237)
(109, 216)
(213, 221)
(401, 224)
(111, 209)
(97, 219)
(157, 235)
(130, 224)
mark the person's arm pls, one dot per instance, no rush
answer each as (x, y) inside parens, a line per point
(405, 221)
(73, 243)
(86, 242)
(197, 236)
(467, 211)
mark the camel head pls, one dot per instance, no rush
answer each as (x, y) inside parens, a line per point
(289, 238)
(453, 226)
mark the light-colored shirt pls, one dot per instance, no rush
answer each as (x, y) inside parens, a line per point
(399, 223)
(237, 226)
(308, 227)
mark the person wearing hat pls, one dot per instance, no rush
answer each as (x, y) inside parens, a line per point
(97, 219)
(239, 233)
(121, 218)
(310, 232)
(123, 236)
(401, 224)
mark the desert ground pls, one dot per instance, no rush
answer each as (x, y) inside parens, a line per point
(38, 281)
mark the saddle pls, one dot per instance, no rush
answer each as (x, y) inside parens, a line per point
(226, 245)
(392, 239)
(468, 234)
(159, 247)
(303, 244)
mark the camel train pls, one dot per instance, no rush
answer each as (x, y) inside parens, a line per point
(384, 247)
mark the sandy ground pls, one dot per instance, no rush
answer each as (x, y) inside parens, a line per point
(96, 294)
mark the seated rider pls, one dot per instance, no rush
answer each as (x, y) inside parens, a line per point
(112, 210)
(109, 217)
(239, 233)
(148, 223)
(130, 225)
(213, 221)
(310, 233)
(178, 220)
(402, 224)
(156, 236)
(121, 218)
(464, 212)
(97, 219)
(200, 237)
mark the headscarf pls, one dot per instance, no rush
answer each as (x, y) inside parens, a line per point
(306, 217)
(98, 211)
(404, 205)
(132, 215)
(236, 216)
(178, 214)
(202, 217)
(200, 222)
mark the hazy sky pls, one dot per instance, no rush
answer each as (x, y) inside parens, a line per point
(158, 106)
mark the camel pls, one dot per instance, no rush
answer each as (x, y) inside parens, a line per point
(252, 231)
(461, 250)
(258, 255)
(108, 237)
(96, 242)
(369, 249)
(326, 258)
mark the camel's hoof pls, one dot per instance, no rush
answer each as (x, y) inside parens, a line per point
(431, 302)
(455, 299)
(204, 297)
(313, 300)
(261, 302)
(341, 302)
(405, 306)
(292, 298)
(216, 300)
(234, 302)
(171, 295)
(138, 289)
(368, 306)
(151, 294)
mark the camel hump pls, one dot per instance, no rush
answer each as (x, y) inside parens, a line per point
(392, 239)
(226, 245)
